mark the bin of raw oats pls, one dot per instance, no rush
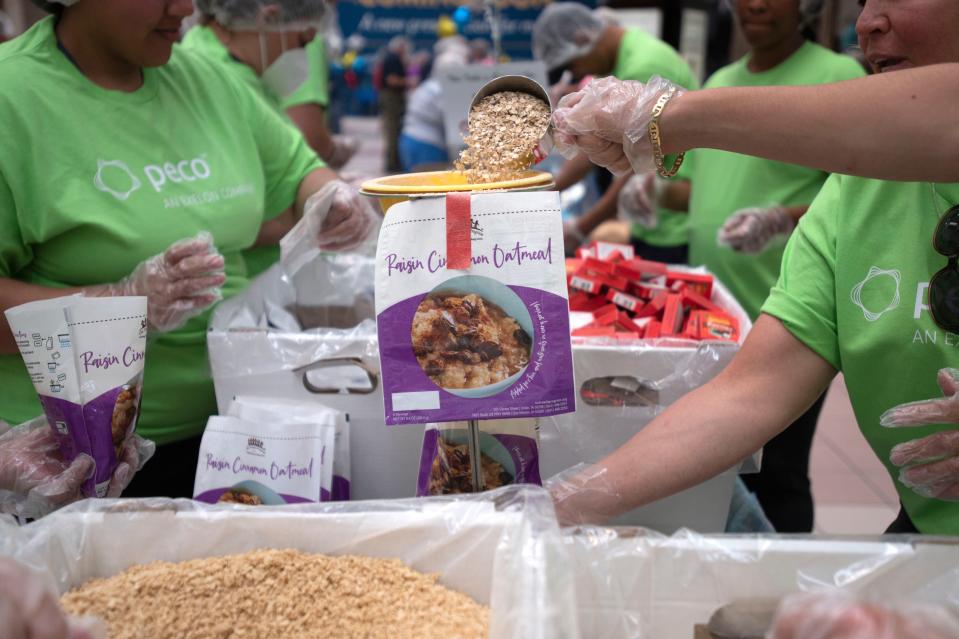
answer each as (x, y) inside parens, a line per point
(472, 310)
(465, 566)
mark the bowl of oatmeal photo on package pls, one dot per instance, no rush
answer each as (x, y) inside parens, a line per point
(472, 336)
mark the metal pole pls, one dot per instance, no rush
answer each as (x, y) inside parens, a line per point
(476, 461)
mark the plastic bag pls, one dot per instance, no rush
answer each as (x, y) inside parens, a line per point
(282, 411)
(265, 463)
(509, 452)
(85, 356)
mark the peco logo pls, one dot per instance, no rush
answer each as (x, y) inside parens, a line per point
(876, 289)
(116, 178)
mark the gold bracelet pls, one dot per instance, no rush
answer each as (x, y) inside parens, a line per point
(656, 139)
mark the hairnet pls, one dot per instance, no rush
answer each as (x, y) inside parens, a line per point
(564, 31)
(250, 15)
(608, 16)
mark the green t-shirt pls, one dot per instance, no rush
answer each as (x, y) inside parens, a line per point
(640, 57)
(96, 181)
(725, 182)
(203, 40)
(853, 288)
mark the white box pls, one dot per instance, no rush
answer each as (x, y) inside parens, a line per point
(502, 548)
(630, 583)
(309, 365)
(663, 370)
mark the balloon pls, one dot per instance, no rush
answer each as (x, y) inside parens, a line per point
(359, 65)
(445, 27)
(461, 16)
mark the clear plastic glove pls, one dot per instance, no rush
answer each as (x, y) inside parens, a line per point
(639, 199)
(179, 283)
(34, 479)
(578, 495)
(337, 217)
(29, 610)
(344, 148)
(751, 230)
(838, 616)
(929, 465)
(608, 121)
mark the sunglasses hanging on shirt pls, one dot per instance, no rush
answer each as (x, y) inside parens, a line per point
(944, 285)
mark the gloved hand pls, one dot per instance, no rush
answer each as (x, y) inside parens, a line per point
(29, 610)
(639, 199)
(344, 148)
(751, 230)
(930, 465)
(179, 283)
(839, 616)
(337, 217)
(578, 494)
(608, 121)
(34, 479)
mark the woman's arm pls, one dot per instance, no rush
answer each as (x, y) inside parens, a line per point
(310, 119)
(902, 125)
(768, 384)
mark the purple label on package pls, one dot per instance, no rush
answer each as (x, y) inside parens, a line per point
(510, 367)
(486, 341)
(506, 458)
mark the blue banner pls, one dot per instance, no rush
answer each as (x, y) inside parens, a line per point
(379, 20)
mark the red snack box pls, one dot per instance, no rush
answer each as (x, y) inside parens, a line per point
(693, 325)
(606, 315)
(628, 336)
(577, 300)
(594, 331)
(598, 266)
(573, 265)
(615, 257)
(647, 291)
(619, 283)
(624, 300)
(632, 274)
(694, 300)
(652, 330)
(655, 306)
(647, 268)
(584, 251)
(702, 284)
(718, 326)
(672, 315)
(592, 285)
(602, 250)
(624, 322)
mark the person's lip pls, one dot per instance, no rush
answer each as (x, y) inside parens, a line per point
(168, 33)
(883, 63)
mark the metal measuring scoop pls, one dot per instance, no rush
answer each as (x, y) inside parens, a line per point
(521, 84)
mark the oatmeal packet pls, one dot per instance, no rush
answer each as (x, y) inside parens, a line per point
(509, 453)
(85, 356)
(264, 463)
(472, 309)
(257, 409)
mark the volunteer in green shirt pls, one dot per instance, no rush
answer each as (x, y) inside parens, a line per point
(868, 286)
(568, 36)
(122, 145)
(292, 77)
(762, 200)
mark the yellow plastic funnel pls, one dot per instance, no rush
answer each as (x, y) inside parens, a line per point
(393, 189)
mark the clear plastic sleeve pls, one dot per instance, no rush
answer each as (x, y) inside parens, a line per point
(635, 583)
